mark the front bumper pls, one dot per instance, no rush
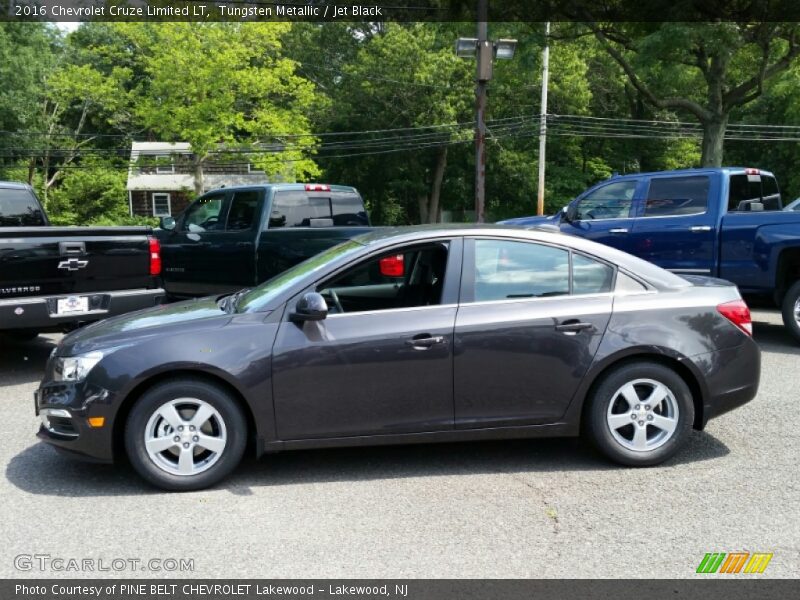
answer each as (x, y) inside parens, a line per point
(65, 410)
(39, 313)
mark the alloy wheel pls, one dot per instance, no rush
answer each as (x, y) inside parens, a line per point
(185, 436)
(643, 415)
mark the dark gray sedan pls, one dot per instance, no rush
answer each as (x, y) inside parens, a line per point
(425, 334)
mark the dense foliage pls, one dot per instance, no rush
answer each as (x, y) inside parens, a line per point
(389, 107)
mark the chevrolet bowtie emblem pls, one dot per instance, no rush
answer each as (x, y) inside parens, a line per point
(72, 264)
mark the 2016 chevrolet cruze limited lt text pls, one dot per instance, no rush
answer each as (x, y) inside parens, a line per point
(423, 334)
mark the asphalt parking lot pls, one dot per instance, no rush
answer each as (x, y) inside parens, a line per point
(535, 508)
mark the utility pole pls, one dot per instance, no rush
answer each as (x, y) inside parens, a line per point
(543, 119)
(484, 73)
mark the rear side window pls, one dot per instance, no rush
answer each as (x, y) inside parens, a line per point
(590, 276)
(19, 208)
(506, 270)
(746, 190)
(676, 196)
(243, 211)
(299, 209)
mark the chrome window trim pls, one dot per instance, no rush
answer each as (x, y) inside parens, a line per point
(519, 300)
(392, 310)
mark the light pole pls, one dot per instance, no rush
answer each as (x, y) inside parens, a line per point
(543, 119)
(485, 51)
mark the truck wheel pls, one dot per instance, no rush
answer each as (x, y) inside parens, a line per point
(791, 310)
(640, 414)
(185, 434)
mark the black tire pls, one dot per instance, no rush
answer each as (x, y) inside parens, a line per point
(22, 335)
(790, 319)
(599, 431)
(151, 401)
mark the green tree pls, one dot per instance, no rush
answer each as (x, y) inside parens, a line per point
(705, 69)
(224, 85)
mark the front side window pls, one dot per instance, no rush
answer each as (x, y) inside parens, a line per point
(506, 270)
(18, 207)
(161, 205)
(612, 201)
(243, 211)
(204, 215)
(403, 278)
(677, 196)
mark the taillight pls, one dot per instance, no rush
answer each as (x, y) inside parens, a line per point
(155, 257)
(318, 187)
(392, 266)
(737, 313)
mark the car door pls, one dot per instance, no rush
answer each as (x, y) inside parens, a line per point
(526, 331)
(193, 265)
(383, 367)
(677, 226)
(605, 214)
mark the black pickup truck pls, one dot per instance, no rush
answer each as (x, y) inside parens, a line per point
(238, 237)
(57, 278)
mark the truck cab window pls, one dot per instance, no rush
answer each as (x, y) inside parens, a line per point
(18, 207)
(348, 210)
(204, 215)
(745, 191)
(297, 209)
(400, 279)
(243, 211)
(677, 196)
(612, 201)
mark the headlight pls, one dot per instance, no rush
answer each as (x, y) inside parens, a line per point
(75, 368)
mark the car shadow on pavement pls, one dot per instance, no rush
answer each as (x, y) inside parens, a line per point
(40, 470)
(775, 338)
(23, 362)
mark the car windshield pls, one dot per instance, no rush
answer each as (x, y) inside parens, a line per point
(258, 297)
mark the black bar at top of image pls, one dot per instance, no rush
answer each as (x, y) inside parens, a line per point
(400, 10)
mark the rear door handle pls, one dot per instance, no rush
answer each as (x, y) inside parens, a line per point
(700, 228)
(618, 230)
(425, 341)
(573, 326)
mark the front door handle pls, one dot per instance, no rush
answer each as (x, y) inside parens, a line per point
(573, 326)
(618, 230)
(700, 228)
(425, 341)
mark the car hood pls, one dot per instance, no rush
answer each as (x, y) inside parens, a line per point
(133, 327)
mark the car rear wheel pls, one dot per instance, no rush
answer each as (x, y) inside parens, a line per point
(640, 414)
(185, 434)
(791, 310)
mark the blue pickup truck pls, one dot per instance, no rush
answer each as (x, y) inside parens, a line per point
(723, 222)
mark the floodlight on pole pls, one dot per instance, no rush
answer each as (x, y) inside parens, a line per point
(485, 51)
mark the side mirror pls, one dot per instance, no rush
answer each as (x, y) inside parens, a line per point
(569, 213)
(167, 223)
(311, 307)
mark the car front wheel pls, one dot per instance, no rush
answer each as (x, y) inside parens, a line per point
(640, 414)
(185, 434)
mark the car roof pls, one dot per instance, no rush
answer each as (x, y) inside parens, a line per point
(279, 187)
(692, 171)
(14, 185)
(658, 277)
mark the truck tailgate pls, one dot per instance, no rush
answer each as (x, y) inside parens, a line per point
(36, 261)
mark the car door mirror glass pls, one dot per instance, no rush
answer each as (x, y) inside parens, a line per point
(167, 223)
(311, 307)
(570, 212)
